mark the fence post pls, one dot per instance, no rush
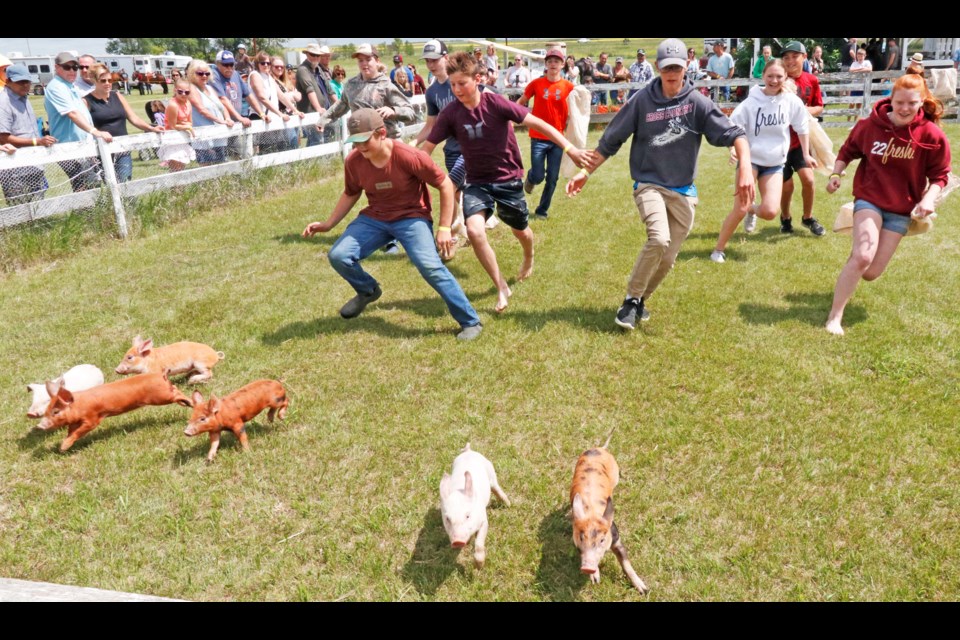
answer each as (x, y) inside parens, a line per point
(110, 178)
(867, 86)
(343, 136)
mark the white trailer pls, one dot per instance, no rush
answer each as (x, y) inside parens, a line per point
(41, 68)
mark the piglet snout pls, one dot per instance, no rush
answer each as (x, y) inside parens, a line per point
(588, 570)
(457, 544)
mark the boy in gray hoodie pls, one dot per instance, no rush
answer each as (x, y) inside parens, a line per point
(667, 120)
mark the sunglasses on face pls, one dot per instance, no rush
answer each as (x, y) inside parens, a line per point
(182, 92)
(84, 66)
(227, 64)
(203, 73)
(278, 66)
(69, 67)
(104, 81)
(264, 63)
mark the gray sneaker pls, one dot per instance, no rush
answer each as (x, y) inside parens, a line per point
(750, 223)
(815, 227)
(527, 186)
(469, 333)
(630, 311)
(359, 302)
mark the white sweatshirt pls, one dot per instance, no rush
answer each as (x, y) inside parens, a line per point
(767, 121)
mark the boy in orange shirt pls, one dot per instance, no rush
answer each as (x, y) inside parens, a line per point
(549, 93)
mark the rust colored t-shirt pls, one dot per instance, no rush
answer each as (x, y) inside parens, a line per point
(398, 190)
(549, 103)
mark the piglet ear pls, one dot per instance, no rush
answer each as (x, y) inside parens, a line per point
(214, 403)
(608, 511)
(65, 396)
(468, 485)
(145, 348)
(578, 512)
(137, 341)
(52, 388)
(446, 486)
(197, 398)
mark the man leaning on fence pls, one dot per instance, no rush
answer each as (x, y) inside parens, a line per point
(18, 127)
(314, 90)
(70, 120)
(232, 91)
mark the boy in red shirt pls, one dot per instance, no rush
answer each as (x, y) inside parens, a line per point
(549, 93)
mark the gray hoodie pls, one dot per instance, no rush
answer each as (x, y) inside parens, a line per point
(666, 133)
(372, 94)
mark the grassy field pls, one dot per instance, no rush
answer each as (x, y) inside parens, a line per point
(761, 458)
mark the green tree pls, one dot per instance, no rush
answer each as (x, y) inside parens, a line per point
(273, 46)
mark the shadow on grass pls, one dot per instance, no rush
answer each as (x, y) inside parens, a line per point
(292, 238)
(768, 231)
(558, 576)
(811, 308)
(103, 431)
(199, 445)
(367, 323)
(592, 319)
(433, 558)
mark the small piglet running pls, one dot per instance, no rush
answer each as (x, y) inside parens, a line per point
(79, 378)
(81, 412)
(234, 410)
(177, 358)
(464, 496)
(594, 531)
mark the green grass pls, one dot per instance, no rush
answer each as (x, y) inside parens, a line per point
(762, 459)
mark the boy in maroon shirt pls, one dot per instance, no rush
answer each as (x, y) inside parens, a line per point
(479, 120)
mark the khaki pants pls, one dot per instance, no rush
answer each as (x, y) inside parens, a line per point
(669, 218)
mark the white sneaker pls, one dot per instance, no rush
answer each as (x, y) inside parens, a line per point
(717, 256)
(750, 223)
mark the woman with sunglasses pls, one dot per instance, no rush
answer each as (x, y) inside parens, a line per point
(265, 87)
(110, 112)
(337, 79)
(288, 97)
(207, 110)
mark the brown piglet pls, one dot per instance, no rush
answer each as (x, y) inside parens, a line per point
(180, 357)
(234, 410)
(82, 411)
(594, 531)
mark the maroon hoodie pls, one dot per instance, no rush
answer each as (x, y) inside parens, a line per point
(896, 162)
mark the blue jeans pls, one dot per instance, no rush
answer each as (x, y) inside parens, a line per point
(544, 152)
(123, 165)
(365, 235)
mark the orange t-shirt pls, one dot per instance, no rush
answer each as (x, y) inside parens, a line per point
(549, 102)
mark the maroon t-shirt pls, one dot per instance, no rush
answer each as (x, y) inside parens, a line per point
(490, 150)
(398, 190)
(808, 90)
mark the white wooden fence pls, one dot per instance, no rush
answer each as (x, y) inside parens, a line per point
(42, 157)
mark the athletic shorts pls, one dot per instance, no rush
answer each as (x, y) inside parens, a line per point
(795, 162)
(508, 197)
(896, 222)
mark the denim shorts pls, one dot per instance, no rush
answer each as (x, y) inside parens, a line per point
(795, 162)
(766, 171)
(896, 222)
(508, 197)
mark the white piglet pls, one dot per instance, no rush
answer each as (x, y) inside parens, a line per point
(79, 378)
(464, 496)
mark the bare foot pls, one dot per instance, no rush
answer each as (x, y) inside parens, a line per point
(833, 326)
(526, 269)
(503, 299)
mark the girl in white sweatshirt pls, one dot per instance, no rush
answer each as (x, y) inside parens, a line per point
(767, 115)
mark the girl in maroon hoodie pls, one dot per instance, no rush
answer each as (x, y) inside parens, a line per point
(904, 163)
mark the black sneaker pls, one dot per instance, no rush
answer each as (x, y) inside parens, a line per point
(630, 311)
(359, 302)
(815, 227)
(786, 225)
(391, 248)
(540, 216)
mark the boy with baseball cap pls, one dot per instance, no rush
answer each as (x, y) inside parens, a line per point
(394, 177)
(549, 93)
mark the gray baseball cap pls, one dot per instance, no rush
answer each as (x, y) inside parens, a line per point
(362, 123)
(794, 46)
(17, 73)
(671, 51)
